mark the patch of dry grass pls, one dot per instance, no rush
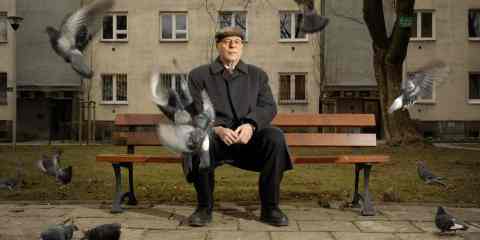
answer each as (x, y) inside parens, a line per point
(165, 182)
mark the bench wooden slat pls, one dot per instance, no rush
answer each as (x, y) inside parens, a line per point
(293, 139)
(340, 159)
(324, 120)
(282, 119)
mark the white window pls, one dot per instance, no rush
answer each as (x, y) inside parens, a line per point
(423, 26)
(3, 27)
(114, 88)
(233, 19)
(3, 88)
(173, 26)
(293, 87)
(290, 26)
(474, 87)
(474, 24)
(171, 80)
(115, 27)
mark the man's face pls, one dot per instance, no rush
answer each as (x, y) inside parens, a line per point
(230, 48)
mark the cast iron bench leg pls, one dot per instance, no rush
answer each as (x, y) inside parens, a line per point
(367, 204)
(356, 195)
(119, 194)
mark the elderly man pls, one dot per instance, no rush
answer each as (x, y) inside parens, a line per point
(243, 137)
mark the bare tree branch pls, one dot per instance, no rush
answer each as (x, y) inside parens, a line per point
(373, 16)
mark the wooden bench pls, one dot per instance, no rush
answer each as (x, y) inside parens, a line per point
(140, 130)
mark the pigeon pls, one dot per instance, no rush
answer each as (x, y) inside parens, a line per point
(11, 183)
(75, 32)
(419, 83)
(188, 133)
(104, 232)
(59, 232)
(312, 22)
(51, 168)
(427, 176)
(447, 223)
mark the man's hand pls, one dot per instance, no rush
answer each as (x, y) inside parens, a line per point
(227, 135)
(244, 132)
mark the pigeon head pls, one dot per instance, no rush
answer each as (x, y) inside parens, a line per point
(440, 210)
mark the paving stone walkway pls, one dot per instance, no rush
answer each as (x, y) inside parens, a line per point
(232, 221)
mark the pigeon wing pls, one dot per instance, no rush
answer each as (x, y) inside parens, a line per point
(424, 78)
(79, 65)
(88, 16)
(175, 137)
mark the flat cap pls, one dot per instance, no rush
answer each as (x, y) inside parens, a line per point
(228, 32)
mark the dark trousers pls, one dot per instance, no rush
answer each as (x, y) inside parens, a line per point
(266, 153)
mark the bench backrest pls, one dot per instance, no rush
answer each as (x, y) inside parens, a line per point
(140, 129)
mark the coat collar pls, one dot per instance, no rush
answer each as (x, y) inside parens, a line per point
(217, 66)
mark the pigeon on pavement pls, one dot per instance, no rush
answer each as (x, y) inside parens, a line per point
(59, 232)
(447, 223)
(427, 176)
(104, 232)
(75, 32)
(419, 84)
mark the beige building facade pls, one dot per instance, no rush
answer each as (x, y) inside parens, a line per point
(7, 69)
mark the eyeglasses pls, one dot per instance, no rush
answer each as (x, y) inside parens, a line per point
(231, 41)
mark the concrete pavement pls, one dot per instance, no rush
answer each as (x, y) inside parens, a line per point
(232, 221)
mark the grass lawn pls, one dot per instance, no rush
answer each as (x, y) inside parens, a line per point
(165, 183)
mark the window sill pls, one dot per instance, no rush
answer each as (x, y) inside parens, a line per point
(428, 102)
(3, 42)
(114, 103)
(473, 101)
(474, 39)
(293, 41)
(113, 41)
(422, 39)
(291, 102)
(173, 40)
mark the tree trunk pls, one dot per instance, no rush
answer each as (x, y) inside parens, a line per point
(388, 56)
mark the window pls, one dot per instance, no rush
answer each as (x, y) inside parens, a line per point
(173, 26)
(474, 24)
(474, 88)
(290, 23)
(293, 88)
(233, 19)
(171, 80)
(114, 88)
(423, 27)
(115, 27)
(3, 27)
(3, 88)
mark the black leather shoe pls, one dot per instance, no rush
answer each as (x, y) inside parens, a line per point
(201, 217)
(274, 216)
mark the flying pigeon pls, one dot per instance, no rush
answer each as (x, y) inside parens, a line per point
(104, 232)
(76, 31)
(51, 168)
(447, 223)
(312, 22)
(188, 133)
(419, 83)
(59, 232)
(427, 176)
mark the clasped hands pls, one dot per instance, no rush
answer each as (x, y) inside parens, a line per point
(241, 135)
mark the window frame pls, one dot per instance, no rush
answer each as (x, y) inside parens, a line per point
(174, 27)
(468, 24)
(232, 20)
(293, 88)
(292, 27)
(3, 18)
(469, 100)
(115, 31)
(115, 80)
(419, 12)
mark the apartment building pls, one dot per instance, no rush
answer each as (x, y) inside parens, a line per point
(7, 70)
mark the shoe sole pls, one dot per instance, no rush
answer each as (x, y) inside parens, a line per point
(276, 224)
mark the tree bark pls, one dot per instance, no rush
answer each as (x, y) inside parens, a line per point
(388, 56)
